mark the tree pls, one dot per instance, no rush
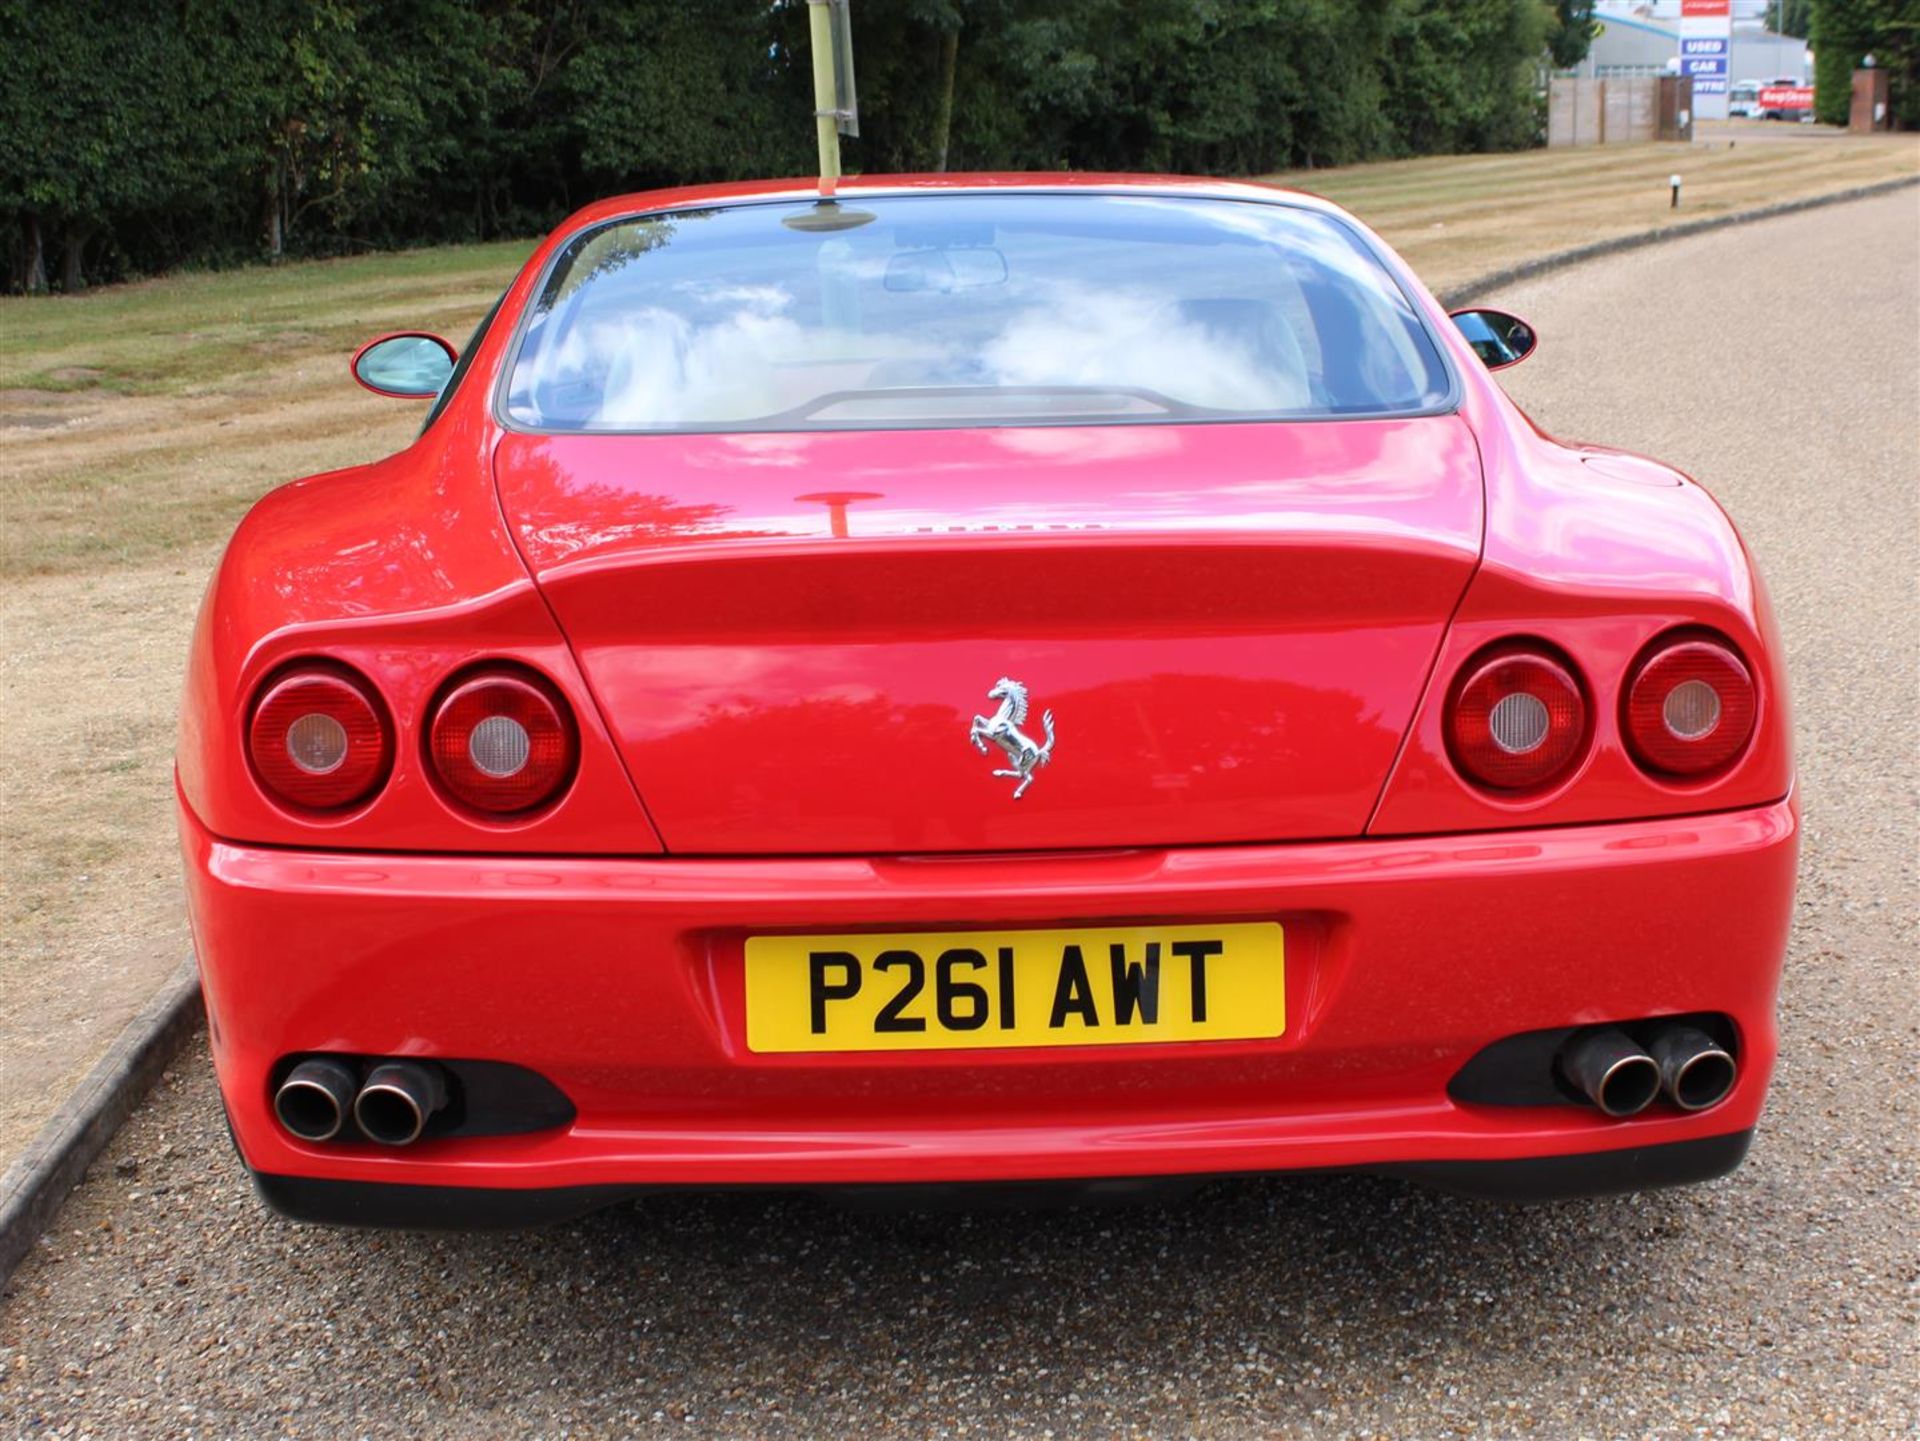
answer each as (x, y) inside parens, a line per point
(678, 91)
(141, 134)
(1893, 28)
(910, 79)
(1844, 33)
(1570, 34)
(1463, 75)
(1790, 17)
(108, 116)
(349, 106)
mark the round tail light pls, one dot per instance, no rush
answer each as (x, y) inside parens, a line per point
(319, 738)
(1690, 708)
(1517, 721)
(502, 742)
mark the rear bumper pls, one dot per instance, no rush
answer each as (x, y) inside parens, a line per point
(621, 982)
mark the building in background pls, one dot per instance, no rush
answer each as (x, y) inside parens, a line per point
(1642, 37)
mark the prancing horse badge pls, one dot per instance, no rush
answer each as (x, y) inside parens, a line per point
(1024, 756)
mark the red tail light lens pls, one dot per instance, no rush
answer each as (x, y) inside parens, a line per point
(502, 742)
(1518, 720)
(320, 739)
(1690, 708)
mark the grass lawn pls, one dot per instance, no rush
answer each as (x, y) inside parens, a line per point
(172, 335)
(1456, 218)
(144, 417)
(138, 422)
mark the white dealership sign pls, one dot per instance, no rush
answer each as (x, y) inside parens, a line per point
(1706, 53)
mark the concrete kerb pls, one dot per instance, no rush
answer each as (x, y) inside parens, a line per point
(1558, 260)
(36, 1184)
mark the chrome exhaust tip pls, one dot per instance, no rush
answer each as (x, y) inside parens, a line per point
(398, 1100)
(1611, 1071)
(315, 1099)
(1695, 1070)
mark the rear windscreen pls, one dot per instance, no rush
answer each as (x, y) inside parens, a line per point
(968, 309)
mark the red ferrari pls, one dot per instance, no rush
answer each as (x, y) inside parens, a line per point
(980, 680)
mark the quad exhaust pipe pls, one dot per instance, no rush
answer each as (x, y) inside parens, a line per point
(398, 1100)
(1610, 1070)
(1695, 1070)
(1622, 1079)
(316, 1098)
(392, 1106)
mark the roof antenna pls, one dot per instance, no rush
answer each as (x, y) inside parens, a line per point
(836, 112)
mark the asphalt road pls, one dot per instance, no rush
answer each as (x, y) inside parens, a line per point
(1784, 1301)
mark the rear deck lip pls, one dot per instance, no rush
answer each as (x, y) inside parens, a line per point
(925, 862)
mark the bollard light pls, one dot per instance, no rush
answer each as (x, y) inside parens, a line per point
(1673, 182)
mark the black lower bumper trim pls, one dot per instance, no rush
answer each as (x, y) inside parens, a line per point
(432, 1208)
(1590, 1173)
(463, 1208)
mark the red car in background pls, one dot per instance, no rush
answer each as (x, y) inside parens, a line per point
(1784, 99)
(980, 679)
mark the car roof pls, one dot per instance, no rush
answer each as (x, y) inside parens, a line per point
(980, 182)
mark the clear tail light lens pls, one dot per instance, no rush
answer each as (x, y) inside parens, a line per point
(1690, 708)
(502, 742)
(1517, 721)
(319, 739)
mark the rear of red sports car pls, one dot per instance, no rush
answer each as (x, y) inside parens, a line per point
(984, 680)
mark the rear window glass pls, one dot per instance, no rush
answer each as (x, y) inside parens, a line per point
(943, 310)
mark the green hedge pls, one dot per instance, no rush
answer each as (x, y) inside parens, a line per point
(1845, 32)
(138, 135)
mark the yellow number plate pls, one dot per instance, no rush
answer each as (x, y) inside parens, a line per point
(953, 990)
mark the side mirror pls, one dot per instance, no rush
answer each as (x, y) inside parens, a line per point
(411, 365)
(1499, 339)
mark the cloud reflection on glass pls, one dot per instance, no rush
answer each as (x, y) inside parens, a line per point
(1092, 307)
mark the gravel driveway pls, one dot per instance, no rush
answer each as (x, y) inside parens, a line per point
(1778, 362)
